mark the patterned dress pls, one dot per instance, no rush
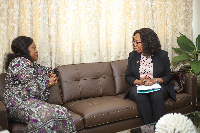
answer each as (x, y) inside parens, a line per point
(26, 96)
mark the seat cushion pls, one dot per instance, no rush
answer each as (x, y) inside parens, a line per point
(78, 121)
(17, 127)
(102, 110)
(182, 99)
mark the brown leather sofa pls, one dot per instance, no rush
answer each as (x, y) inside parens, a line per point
(94, 94)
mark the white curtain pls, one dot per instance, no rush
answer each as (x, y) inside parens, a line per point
(83, 31)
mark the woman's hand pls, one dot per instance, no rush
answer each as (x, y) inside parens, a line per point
(51, 75)
(138, 82)
(148, 81)
(153, 81)
(52, 79)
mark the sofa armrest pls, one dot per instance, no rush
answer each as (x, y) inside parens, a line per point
(3, 116)
(191, 88)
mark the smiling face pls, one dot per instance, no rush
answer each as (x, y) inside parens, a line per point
(138, 46)
(33, 52)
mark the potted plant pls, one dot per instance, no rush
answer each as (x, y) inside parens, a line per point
(188, 53)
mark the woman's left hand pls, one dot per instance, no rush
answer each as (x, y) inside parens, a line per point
(51, 75)
(149, 82)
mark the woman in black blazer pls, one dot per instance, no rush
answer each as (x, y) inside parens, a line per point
(147, 65)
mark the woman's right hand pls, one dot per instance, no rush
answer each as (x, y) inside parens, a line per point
(52, 81)
(138, 82)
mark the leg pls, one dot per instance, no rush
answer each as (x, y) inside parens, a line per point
(47, 118)
(165, 93)
(158, 104)
(143, 104)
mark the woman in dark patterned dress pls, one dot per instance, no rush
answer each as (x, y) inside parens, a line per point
(27, 90)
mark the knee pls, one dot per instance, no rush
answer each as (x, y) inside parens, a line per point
(132, 95)
(138, 98)
(157, 98)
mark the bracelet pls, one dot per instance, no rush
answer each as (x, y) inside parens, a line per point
(156, 80)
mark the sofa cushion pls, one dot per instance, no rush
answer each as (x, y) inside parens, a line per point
(86, 80)
(78, 121)
(182, 99)
(55, 95)
(102, 110)
(119, 70)
(2, 85)
(17, 127)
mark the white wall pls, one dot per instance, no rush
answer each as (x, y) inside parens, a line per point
(196, 19)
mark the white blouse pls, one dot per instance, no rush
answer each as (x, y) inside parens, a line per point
(146, 67)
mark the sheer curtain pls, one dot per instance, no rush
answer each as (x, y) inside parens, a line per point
(83, 31)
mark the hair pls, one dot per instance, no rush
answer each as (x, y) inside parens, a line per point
(19, 47)
(150, 41)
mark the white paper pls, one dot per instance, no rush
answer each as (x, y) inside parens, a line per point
(144, 87)
(148, 89)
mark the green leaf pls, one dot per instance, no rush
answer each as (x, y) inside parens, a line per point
(185, 43)
(179, 50)
(195, 65)
(194, 52)
(175, 64)
(181, 58)
(198, 42)
(182, 52)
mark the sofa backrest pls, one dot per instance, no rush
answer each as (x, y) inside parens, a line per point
(85, 80)
(119, 70)
(2, 85)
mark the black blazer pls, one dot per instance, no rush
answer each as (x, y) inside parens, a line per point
(161, 69)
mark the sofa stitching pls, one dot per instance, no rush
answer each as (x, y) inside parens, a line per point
(79, 79)
(178, 107)
(61, 95)
(109, 113)
(99, 115)
(82, 118)
(178, 100)
(113, 121)
(60, 89)
(99, 80)
(168, 102)
(78, 121)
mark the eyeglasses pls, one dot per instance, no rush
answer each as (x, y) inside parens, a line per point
(136, 43)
